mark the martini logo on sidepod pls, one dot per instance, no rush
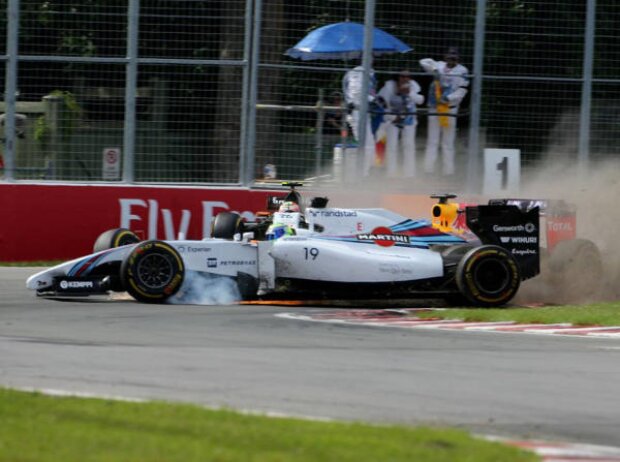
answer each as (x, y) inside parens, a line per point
(384, 237)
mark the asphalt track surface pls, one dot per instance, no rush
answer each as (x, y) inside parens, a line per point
(246, 358)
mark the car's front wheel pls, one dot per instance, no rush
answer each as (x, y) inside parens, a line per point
(152, 272)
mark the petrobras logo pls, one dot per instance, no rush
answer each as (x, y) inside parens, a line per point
(237, 263)
(65, 285)
(528, 228)
(384, 237)
(333, 213)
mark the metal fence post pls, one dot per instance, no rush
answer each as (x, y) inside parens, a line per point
(473, 150)
(248, 179)
(318, 146)
(10, 90)
(586, 89)
(51, 106)
(369, 26)
(131, 81)
(245, 92)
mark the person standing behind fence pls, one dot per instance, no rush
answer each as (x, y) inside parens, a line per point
(352, 90)
(333, 123)
(448, 89)
(401, 95)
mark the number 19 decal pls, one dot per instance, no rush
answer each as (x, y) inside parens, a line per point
(311, 253)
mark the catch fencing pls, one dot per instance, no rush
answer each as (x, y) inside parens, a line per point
(202, 92)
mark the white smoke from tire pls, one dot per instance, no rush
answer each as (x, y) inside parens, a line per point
(205, 289)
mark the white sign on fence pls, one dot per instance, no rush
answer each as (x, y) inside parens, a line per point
(502, 171)
(111, 169)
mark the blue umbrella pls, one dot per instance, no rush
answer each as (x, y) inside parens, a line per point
(344, 40)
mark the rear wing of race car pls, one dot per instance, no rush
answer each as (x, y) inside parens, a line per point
(514, 228)
(560, 218)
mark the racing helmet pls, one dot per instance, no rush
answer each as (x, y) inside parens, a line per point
(277, 230)
(289, 207)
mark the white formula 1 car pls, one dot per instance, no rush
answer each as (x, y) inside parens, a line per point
(327, 252)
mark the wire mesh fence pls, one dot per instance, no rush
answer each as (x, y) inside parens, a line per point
(191, 91)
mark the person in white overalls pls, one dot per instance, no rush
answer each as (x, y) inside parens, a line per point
(448, 89)
(352, 90)
(400, 95)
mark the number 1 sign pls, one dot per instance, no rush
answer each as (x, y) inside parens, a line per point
(502, 171)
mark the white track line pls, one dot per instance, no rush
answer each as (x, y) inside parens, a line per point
(398, 318)
(565, 452)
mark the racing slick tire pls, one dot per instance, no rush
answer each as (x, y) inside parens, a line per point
(488, 276)
(575, 270)
(115, 237)
(226, 225)
(152, 272)
(451, 256)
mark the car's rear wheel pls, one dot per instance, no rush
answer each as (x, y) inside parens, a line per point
(226, 225)
(454, 253)
(488, 276)
(152, 272)
(113, 238)
(451, 256)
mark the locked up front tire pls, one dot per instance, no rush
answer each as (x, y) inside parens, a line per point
(152, 272)
(488, 276)
(113, 238)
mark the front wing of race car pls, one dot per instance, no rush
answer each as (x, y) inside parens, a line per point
(97, 273)
(150, 270)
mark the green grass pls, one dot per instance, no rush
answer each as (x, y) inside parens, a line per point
(599, 314)
(36, 427)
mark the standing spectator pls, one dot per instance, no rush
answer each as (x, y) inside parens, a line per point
(352, 90)
(401, 95)
(448, 89)
(333, 124)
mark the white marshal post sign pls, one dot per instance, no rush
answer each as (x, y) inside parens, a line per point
(502, 171)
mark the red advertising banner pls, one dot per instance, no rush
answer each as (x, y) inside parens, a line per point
(58, 222)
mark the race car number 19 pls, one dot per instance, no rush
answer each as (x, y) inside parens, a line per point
(311, 253)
